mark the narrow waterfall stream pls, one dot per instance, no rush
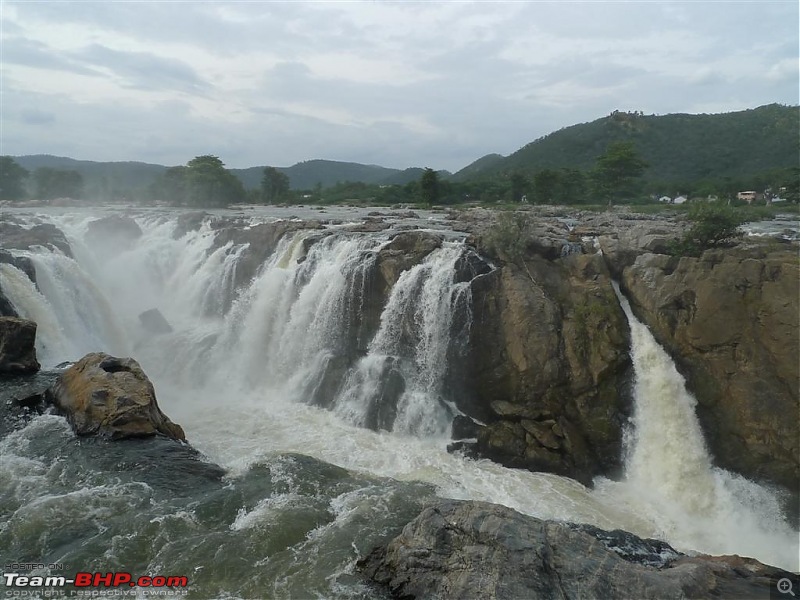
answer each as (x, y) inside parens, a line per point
(276, 383)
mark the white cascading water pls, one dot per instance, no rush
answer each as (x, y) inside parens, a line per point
(416, 321)
(669, 471)
(238, 382)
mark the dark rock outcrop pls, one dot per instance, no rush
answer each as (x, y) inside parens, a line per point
(22, 398)
(189, 221)
(154, 322)
(112, 397)
(261, 240)
(17, 346)
(25, 265)
(730, 321)
(15, 236)
(466, 550)
(113, 233)
(6, 307)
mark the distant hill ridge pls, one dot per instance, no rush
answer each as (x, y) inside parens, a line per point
(678, 147)
(109, 176)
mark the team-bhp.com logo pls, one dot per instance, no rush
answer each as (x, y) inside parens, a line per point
(95, 580)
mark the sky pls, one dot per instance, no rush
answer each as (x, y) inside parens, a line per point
(397, 84)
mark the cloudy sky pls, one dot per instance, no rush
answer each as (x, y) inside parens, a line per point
(398, 84)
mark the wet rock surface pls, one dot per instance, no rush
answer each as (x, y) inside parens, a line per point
(17, 346)
(111, 397)
(730, 321)
(465, 550)
(15, 236)
(116, 232)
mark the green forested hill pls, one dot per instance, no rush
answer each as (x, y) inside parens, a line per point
(678, 147)
(101, 179)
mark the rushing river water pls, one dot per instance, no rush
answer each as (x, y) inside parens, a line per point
(305, 491)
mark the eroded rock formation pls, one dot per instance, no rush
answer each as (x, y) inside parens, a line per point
(112, 397)
(466, 550)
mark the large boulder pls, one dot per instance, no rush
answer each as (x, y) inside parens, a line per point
(110, 396)
(154, 322)
(17, 346)
(113, 234)
(466, 550)
(730, 321)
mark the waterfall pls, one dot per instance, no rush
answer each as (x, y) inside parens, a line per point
(399, 383)
(669, 474)
(297, 331)
(249, 365)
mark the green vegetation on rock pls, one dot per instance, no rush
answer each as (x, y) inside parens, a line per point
(714, 224)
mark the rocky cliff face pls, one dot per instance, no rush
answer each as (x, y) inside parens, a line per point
(730, 320)
(458, 549)
(548, 365)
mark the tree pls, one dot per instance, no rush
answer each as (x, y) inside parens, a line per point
(274, 185)
(429, 186)
(519, 186)
(545, 185)
(55, 183)
(617, 170)
(209, 183)
(12, 178)
(572, 187)
(171, 187)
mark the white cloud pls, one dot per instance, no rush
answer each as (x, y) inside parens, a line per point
(401, 84)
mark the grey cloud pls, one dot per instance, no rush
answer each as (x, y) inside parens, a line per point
(37, 117)
(145, 71)
(30, 53)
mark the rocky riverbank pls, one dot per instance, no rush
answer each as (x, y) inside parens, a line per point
(474, 550)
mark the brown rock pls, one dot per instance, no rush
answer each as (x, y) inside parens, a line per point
(110, 396)
(730, 321)
(549, 343)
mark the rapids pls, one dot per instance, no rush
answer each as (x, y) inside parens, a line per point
(307, 489)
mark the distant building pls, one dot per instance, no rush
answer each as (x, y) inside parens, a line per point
(679, 200)
(748, 196)
(665, 199)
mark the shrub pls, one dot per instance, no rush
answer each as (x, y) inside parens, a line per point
(714, 225)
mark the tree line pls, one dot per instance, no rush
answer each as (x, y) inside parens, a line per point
(618, 175)
(45, 183)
